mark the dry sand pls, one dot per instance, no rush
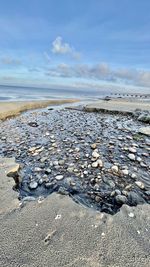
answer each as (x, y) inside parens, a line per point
(57, 232)
(10, 109)
(118, 105)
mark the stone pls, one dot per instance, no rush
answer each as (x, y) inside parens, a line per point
(61, 162)
(131, 156)
(132, 150)
(142, 164)
(93, 146)
(135, 199)
(121, 199)
(97, 199)
(125, 172)
(59, 177)
(139, 159)
(33, 124)
(131, 215)
(49, 185)
(95, 154)
(13, 172)
(100, 163)
(40, 181)
(133, 176)
(145, 130)
(95, 164)
(56, 163)
(117, 192)
(48, 171)
(128, 187)
(140, 184)
(124, 192)
(129, 137)
(33, 185)
(115, 169)
(43, 159)
(63, 191)
(111, 183)
(37, 169)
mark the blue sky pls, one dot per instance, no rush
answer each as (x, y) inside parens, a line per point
(74, 43)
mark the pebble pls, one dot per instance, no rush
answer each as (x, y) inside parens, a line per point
(132, 150)
(93, 146)
(139, 159)
(95, 154)
(95, 164)
(133, 176)
(111, 183)
(59, 177)
(142, 164)
(37, 169)
(100, 163)
(118, 192)
(13, 172)
(97, 199)
(33, 185)
(131, 215)
(49, 185)
(145, 130)
(121, 199)
(140, 184)
(48, 171)
(124, 192)
(115, 168)
(135, 199)
(131, 156)
(125, 172)
(56, 163)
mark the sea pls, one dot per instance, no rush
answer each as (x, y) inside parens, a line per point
(21, 93)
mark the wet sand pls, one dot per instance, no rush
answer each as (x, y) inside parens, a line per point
(11, 109)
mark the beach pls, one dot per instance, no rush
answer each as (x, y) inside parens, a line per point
(14, 108)
(82, 180)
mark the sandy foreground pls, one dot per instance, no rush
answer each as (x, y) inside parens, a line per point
(58, 232)
(10, 109)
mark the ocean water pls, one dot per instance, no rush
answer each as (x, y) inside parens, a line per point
(16, 93)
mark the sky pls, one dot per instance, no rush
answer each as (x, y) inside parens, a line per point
(76, 43)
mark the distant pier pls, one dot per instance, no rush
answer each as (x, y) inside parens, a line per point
(127, 95)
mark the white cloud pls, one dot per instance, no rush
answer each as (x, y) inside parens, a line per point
(59, 47)
(102, 72)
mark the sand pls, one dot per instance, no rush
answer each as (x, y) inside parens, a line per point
(124, 106)
(10, 109)
(58, 232)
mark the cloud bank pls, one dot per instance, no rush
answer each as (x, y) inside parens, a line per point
(101, 72)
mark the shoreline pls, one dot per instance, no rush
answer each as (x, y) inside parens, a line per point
(15, 108)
